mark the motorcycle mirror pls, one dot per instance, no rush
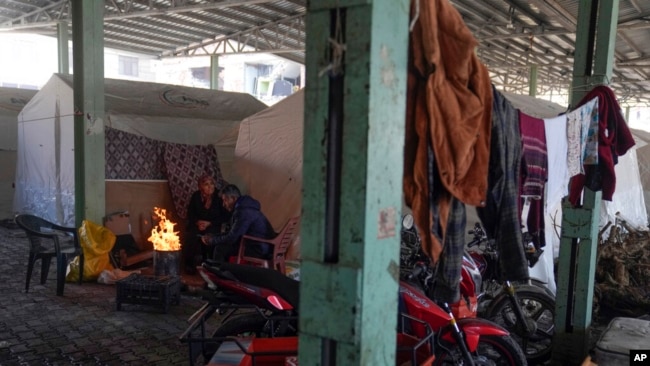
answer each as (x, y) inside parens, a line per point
(407, 221)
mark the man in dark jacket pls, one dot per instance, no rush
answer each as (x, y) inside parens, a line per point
(247, 219)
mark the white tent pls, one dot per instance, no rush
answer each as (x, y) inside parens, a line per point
(12, 101)
(269, 159)
(155, 112)
(642, 139)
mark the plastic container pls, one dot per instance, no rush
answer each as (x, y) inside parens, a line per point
(621, 336)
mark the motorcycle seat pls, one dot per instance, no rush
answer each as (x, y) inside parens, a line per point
(284, 286)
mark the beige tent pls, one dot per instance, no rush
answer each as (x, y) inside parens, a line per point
(269, 160)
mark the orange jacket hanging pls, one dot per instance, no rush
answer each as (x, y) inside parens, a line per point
(449, 103)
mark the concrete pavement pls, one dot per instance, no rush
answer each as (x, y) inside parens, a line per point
(82, 327)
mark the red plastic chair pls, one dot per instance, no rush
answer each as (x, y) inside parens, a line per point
(280, 245)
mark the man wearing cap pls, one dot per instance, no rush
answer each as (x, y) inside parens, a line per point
(247, 219)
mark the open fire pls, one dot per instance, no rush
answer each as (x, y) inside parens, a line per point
(163, 236)
(166, 245)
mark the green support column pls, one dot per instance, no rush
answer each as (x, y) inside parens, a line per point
(575, 283)
(62, 45)
(605, 42)
(594, 55)
(532, 81)
(88, 67)
(214, 72)
(353, 159)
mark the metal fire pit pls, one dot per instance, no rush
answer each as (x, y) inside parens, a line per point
(166, 263)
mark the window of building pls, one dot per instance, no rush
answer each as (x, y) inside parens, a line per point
(128, 66)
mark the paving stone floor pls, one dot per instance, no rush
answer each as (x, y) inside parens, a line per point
(82, 327)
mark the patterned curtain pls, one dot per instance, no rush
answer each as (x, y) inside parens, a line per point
(184, 165)
(132, 157)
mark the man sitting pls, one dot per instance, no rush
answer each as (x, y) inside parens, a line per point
(247, 219)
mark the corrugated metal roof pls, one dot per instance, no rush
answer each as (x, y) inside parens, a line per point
(515, 34)
(512, 34)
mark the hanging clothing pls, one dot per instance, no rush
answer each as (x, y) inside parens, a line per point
(582, 132)
(533, 174)
(449, 102)
(614, 140)
(590, 126)
(574, 143)
(534, 160)
(557, 183)
(501, 217)
(449, 266)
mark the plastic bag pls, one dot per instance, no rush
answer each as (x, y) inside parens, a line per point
(96, 241)
(109, 277)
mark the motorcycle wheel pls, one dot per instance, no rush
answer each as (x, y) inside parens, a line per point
(492, 350)
(539, 309)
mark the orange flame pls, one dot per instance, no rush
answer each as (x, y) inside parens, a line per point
(163, 236)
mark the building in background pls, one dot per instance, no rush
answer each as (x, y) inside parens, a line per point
(28, 61)
(267, 77)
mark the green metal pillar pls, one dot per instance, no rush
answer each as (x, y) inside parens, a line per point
(356, 63)
(575, 284)
(214, 72)
(595, 41)
(594, 55)
(532, 81)
(88, 67)
(62, 45)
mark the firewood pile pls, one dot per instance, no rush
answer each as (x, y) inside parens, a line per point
(623, 272)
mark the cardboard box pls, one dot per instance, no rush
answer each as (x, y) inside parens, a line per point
(118, 222)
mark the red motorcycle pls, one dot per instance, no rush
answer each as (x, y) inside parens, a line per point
(471, 282)
(264, 303)
(251, 301)
(527, 310)
(458, 336)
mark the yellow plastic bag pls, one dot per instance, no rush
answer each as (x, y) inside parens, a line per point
(96, 242)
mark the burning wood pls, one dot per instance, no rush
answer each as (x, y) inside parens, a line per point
(163, 236)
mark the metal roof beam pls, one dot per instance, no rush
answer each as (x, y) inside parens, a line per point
(162, 25)
(146, 44)
(40, 12)
(244, 38)
(186, 8)
(112, 28)
(555, 10)
(631, 43)
(207, 20)
(538, 32)
(123, 13)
